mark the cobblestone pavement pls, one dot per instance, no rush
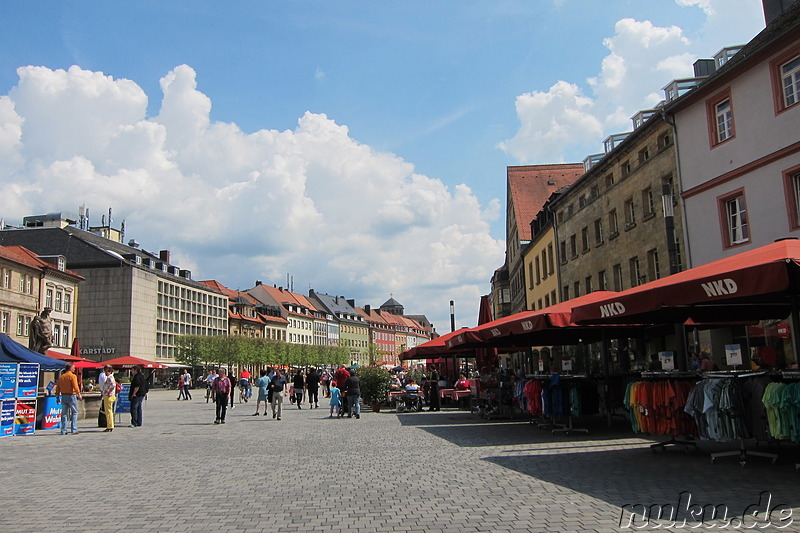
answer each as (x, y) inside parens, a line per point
(444, 471)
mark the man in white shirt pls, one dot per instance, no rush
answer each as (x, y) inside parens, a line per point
(212, 375)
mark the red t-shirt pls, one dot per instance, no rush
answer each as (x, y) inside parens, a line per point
(245, 374)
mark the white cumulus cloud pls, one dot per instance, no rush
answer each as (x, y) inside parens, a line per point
(336, 214)
(570, 119)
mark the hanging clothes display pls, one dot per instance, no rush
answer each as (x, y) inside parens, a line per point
(656, 406)
(782, 404)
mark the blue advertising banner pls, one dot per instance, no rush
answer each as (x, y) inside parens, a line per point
(51, 413)
(123, 403)
(8, 380)
(25, 417)
(7, 411)
(27, 380)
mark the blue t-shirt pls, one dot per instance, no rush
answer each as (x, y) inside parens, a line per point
(335, 396)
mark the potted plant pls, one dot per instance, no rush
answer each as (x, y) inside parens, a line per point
(375, 381)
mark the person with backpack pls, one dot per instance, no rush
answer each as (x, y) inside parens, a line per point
(276, 386)
(222, 389)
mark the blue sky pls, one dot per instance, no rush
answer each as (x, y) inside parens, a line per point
(359, 146)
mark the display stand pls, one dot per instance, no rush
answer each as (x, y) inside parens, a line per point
(673, 441)
(742, 452)
(569, 429)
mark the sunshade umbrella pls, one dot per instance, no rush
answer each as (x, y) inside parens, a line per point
(130, 361)
(759, 283)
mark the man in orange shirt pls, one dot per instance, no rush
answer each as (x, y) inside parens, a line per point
(69, 392)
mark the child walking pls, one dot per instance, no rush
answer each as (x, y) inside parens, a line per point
(336, 401)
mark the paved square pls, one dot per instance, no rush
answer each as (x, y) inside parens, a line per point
(445, 471)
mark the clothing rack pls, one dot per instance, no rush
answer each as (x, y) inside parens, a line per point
(671, 374)
(742, 452)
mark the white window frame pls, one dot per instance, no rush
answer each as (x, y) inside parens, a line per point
(723, 115)
(790, 82)
(736, 219)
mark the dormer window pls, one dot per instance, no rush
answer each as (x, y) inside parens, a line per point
(62, 264)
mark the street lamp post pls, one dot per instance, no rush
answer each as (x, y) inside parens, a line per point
(452, 316)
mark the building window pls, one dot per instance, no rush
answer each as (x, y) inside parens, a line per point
(550, 260)
(20, 324)
(48, 298)
(733, 210)
(613, 224)
(598, 232)
(636, 275)
(544, 264)
(602, 282)
(576, 289)
(791, 183)
(664, 140)
(648, 202)
(530, 275)
(644, 156)
(21, 283)
(595, 191)
(653, 268)
(719, 112)
(630, 213)
(538, 271)
(618, 284)
(6, 279)
(588, 284)
(626, 168)
(553, 300)
(57, 334)
(57, 305)
(573, 246)
(547, 300)
(582, 201)
(563, 250)
(609, 181)
(585, 239)
(4, 320)
(565, 293)
(785, 73)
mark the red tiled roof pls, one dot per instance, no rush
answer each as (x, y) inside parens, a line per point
(277, 319)
(529, 188)
(23, 256)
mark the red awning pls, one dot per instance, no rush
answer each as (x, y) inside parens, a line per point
(756, 283)
(555, 316)
(129, 361)
(435, 347)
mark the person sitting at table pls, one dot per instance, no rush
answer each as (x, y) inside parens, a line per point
(396, 384)
(412, 395)
(462, 383)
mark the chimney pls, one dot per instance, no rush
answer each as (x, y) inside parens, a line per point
(352, 303)
(258, 282)
(164, 255)
(367, 309)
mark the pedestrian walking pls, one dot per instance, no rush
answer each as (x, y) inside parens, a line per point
(325, 379)
(352, 389)
(181, 396)
(222, 389)
(299, 383)
(136, 395)
(186, 379)
(263, 391)
(276, 386)
(109, 395)
(312, 386)
(69, 393)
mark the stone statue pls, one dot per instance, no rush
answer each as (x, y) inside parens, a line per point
(41, 332)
